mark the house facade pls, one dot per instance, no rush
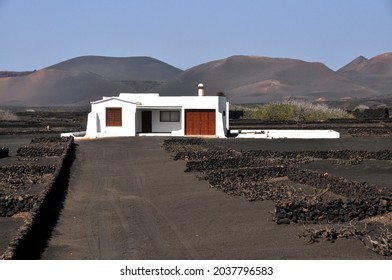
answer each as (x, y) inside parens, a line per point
(139, 114)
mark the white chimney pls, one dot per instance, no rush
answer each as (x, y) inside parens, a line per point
(200, 89)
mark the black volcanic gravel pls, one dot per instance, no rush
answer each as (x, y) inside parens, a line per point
(22, 184)
(4, 152)
(251, 173)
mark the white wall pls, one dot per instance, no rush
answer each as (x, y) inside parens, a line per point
(158, 126)
(128, 118)
(221, 118)
(92, 125)
(289, 134)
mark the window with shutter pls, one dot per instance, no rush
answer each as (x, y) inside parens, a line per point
(113, 116)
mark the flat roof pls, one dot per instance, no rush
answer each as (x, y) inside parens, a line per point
(159, 107)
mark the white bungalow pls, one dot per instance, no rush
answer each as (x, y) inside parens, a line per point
(143, 114)
(133, 114)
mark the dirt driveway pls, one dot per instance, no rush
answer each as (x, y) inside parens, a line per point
(127, 199)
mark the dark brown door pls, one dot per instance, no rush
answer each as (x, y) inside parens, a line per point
(146, 121)
(200, 122)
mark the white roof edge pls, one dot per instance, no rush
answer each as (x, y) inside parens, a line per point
(111, 98)
(139, 93)
(164, 107)
(124, 97)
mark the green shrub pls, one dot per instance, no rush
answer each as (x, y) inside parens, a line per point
(295, 111)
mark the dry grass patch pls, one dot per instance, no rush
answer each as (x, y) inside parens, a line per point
(295, 111)
(6, 115)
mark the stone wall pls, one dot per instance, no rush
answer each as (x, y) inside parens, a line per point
(30, 196)
(251, 174)
(361, 200)
(379, 113)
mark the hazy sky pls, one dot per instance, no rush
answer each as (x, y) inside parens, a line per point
(38, 33)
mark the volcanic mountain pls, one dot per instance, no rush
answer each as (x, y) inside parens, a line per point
(253, 79)
(120, 68)
(243, 79)
(375, 73)
(83, 79)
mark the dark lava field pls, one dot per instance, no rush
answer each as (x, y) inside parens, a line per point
(337, 189)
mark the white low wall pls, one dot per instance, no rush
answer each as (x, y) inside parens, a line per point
(289, 134)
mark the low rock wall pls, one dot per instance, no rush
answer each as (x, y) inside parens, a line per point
(232, 181)
(336, 211)
(374, 114)
(220, 163)
(334, 154)
(10, 205)
(37, 151)
(374, 131)
(20, 186)
(51, 139)
(35, 204)
(23, 169)
(362, 200)
(248, 173)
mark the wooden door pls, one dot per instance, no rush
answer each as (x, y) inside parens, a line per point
(146, 121)
(200, 122)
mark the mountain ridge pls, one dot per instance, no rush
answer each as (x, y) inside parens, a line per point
(243, 78)
(83, 79)
(374, 73)
(252, 79)
(120, 68)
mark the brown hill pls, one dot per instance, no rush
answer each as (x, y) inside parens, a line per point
(374, 73)
(354, 65)
(6, 74)
(83, 79)
(252, 79)
(121, 68)
(244, 79)
(56, 87)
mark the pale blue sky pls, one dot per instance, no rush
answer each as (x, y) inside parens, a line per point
(38, 33)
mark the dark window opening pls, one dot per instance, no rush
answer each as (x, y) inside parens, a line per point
(170, 116)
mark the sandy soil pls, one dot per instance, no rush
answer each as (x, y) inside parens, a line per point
(127, 199)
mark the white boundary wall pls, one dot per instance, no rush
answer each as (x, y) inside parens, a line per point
(289, 134)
